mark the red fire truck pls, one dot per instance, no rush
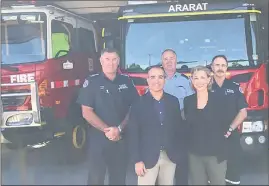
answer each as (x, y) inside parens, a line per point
(47, 52)
(197, 32)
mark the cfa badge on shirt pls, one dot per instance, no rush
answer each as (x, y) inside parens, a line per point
(123, 86)
(229, 91)
(86, 83)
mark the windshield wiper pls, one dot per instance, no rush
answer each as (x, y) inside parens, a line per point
(237, 60)
(179, 62)
(10, 68)
(184, 62)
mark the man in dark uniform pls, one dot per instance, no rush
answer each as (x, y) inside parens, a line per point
(106, 99)
(237, 113)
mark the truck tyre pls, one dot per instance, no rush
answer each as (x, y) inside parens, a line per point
(75, 140)
(79, 137)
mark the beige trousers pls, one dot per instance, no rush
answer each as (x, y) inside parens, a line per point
(164, 171)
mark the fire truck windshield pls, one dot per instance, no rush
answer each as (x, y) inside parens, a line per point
(23, 37)
(196, 41)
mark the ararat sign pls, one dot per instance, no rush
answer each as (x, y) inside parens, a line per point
(188, 7)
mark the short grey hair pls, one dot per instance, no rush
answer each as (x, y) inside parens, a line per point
(109, 50)
(169, 50)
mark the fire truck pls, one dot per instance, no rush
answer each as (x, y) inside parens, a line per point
(47, 52)
(198, 31)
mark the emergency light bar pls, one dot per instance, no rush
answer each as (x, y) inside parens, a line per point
(21, 3)
(27, 2)
(23, 17)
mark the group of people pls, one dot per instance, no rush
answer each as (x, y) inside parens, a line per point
(181, 129)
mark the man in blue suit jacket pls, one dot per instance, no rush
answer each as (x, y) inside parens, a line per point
(156, 133)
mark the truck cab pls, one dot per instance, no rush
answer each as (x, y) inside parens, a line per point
(197, 32)
(47, 52)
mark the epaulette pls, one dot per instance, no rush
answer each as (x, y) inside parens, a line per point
(125, 75)
(89, 78)
(183, 75)
(94, 75)
(236, 83)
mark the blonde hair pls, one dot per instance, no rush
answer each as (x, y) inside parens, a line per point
(208, 73)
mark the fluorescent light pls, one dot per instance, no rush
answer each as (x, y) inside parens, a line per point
(141, 2)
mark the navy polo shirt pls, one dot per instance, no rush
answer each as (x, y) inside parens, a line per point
(110, 100)
(232, 93)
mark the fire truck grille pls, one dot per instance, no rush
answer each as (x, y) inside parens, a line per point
(13, 101)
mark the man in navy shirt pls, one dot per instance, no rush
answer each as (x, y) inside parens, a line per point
(156, 136)
(106, 99)
(236, 111)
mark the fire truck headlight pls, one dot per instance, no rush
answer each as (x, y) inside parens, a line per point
(255, 126)
(20, 119)
(249, 140)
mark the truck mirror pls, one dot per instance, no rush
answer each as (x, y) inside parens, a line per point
(110, 37)
(106, 32)
(61, 53)
(109, 43)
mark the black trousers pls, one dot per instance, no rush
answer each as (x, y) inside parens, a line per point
(182, 172)
(234, 163)
(182, 169)
(111, 157)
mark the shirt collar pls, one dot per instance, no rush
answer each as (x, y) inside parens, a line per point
(115, 80)
(149, 95)
(216, 85)
(176, 75)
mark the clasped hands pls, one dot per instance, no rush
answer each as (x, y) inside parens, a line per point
(112, 133)
(228, 133)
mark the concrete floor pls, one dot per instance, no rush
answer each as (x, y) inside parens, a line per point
(45, 166)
